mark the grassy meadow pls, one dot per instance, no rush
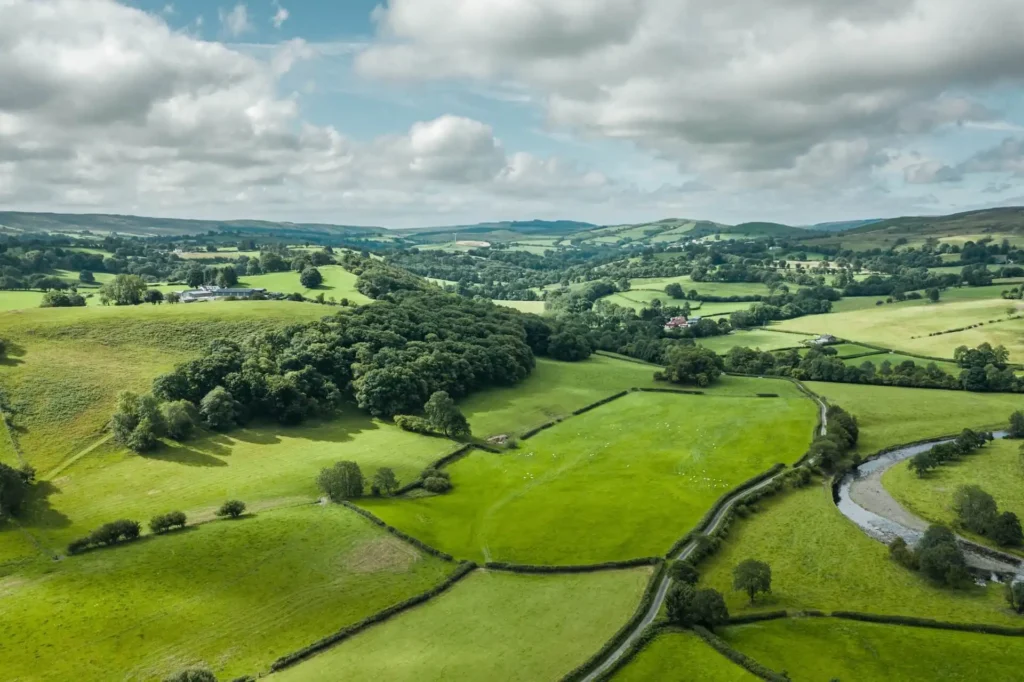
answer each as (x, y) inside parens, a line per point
(819, 649)
(684, 657)
(821, 560)
(66, 365)
(535, 307)
(578, 492)
(892, 416)
(762, 339)
(230, 595)
(489, 626)
(338, 282)
(706, 288)
(998, 468)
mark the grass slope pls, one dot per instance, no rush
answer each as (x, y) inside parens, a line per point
(338, 282)
(706, 288)
(821, 560)
(579, 492)
(763, 339)
(998, 468)
(490, 626)
(891, 416)
(232, 595)
(683, 657)
(817, 649)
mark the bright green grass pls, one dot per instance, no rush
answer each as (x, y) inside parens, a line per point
(535, 307)
(763, 339)
(552, 391)
(820, 649)
(490, 626)
(577, 493)
(265, 466)
(850, 303)
(891, 416)
(66, 365)
(846, 349)
(896, 358)
(231, 595)
(338, 282)
(709, 309)
(998, 468)
(821, 560)
(707, 288)
(18, 300)
(683, 657)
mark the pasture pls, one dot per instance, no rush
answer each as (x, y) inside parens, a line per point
(489, 626)
(230, 595)
(577, 493)
(817, 649)
(684, 657)
(892, 416)
(706, 288)
(762, 339)
(338, 283)
(821, 560)
(535, 307)
(998, 468)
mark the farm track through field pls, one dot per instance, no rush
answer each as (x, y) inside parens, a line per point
(77, 456)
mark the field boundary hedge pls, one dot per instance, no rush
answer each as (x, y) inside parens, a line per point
(684, 391)
(442, 462)
(757, 617)
(419, 544)
(738, 657)
(626, 358)
(573, 568)
(288, 660)
(911, 621)
(623, 633)
(650, 633)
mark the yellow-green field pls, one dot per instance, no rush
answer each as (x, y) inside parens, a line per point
(684, 657)
(762, 339)
(338, 283)
(535, 307)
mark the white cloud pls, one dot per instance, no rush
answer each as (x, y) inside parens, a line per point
(235, 21)
(280, 16)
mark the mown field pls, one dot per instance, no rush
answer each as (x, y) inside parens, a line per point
(762, 339)
(579, 492)
(821, 560)
(892, 416)
(998, 468)
(819, 649)
(66, 365)
(229, 595)
(338, 282)
(684, 657)
(706, 288)
(490, 626)
(535, 307)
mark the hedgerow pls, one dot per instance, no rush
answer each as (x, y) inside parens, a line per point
(738, 657)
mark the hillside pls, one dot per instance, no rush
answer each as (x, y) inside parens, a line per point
(995, 223)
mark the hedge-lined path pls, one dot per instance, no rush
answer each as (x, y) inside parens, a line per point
(686, 551)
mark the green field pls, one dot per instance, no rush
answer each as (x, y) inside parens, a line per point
(706, 288)
(821, 560)
(535, 307)
(684, 657)
(998, 468)
(763, 339)
(66, 365)
(18, 300)
(338, 282)
(577, 493)
(232, 595)
(490, 626)
(845, 350)
(820, 649)
(892, 416)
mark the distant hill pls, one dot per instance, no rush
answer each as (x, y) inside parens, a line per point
(842, 225)
(758, 229)
(495, 232)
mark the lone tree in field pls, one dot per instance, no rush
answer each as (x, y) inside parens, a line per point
(675, 290)
(940, 558)
(445, 417)
(124, 290)
(138, 422)
(192, 675)
(386, 480)
(975, 508)
(343, 481)
(219, 409)
(232, 509)
(311, 278)
(752, 576)
(1016, 429)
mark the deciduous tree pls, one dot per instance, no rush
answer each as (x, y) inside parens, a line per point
(343, 481)
(752, 576)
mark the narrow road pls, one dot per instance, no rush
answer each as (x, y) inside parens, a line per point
(686, 551)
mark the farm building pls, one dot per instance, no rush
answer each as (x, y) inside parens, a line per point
(681, 322)
(823, 340)
(212, 293)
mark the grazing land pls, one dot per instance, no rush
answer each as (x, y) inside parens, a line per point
(577, 492)
(338, 283)
(820, 560)
(816, 649)
(535, 307)
(489, 626)
(230, 595)
(707, 288)
(684, 657)
(763, 339)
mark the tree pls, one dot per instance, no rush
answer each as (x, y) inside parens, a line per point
(1015, 595)
(922, 463)
(1006, 530)
(436, 480)
(232, 509)
(684, 572)
(709, 609)
(675, 290)
(752, 576)
(940, 558)
(62, 299)
(14, 486)
(86, 277)
(687, 606)
(227, 277)
(1016, 429)
(975, 508)
(311, 278)
(932, 294)
(679, 603)
(692, 365)
(445, 417)
(192, 675)
(570, 346)
(219, 409)
(153, 296)
(343, 481)
(124, 290)
(386, 480)
(164, 522)
(180, 417)
(138, 422)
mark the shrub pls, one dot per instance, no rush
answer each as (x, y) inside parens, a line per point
(138, 422)
(1006, 530)
(180, 417)
(122, 530)
(79, 545)
(975, 508)
(385, 480)
(164, 522)
(62, 299)
(192, 675)
(408, 422)
(232, 508)
(437, 484)
(343, 481)
(902, 554)
(684, 572)
(14, 486)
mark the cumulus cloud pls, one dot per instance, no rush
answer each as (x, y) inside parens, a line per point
(235, 21)
(823, 86)
(280, 16)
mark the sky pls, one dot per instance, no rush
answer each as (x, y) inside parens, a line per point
(407, 113)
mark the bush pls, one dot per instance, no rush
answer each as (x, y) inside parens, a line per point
(192, 675)
(232, 509)
(123, 530)
(219, 409)
(79, 545)
(343, 481)
(902, 554)
(687, 606)
(940, 558)
(408, 422)
(138, 422)
(437, 484)
(684, 572)
(311, 278)
(1006, 530)
(62, 299)
(164, 522)
(180, 417)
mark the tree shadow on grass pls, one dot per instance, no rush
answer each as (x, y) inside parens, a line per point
(12, 354)
(182, 454)
(36, 511)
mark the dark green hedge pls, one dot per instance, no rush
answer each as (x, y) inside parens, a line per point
(619, 637)
(758, 617)
(444, 461)
(533, 432)
(578, 568)
(646, 637)
(599, 403)
(464, 569)
(929, 623)
(419, 544)
(737, 657)
(670, 390)
(767, 395)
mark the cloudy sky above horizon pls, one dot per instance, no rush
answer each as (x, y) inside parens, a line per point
(429, 112)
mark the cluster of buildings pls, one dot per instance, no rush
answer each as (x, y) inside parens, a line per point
(213, 293)
(681, 322)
